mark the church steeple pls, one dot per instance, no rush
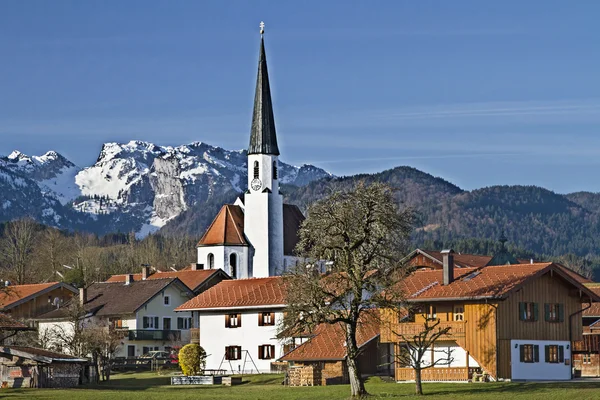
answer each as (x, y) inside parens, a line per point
(263, 139)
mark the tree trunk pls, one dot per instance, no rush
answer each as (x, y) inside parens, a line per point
(357, 385)
(418, 385)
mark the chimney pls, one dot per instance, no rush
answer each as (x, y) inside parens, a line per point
(194, 267)
(128, 279)
(82, 296)
(145, 272)
(448, 257)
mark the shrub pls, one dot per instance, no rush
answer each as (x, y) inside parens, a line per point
(192, 359)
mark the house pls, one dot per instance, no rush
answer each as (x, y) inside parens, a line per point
(142, 312)
(255, 237)
(196, 280)
(325, 350)
(31, 367)
(29, 301)
(586, 360)
(513, 322)
(236, 323)
(9, 327)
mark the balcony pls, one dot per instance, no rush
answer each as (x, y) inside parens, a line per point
(442, 374)
(392, 329)
(154, 334)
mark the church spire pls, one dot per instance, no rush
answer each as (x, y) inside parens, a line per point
(263, 139)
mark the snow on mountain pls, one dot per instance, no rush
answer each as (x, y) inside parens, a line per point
(136, 186)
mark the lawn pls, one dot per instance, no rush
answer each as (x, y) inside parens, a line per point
(150, 386)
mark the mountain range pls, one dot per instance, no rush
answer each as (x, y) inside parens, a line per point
(144, 188)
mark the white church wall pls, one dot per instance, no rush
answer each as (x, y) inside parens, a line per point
(218, 253)
(241, 253)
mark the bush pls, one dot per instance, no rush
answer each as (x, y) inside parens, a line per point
(192, 359)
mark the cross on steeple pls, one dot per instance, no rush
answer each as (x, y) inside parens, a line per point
(262, 27)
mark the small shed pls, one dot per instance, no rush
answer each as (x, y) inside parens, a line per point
(37, 368)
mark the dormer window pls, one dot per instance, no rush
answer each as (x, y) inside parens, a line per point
(274, 169)
(256, 169)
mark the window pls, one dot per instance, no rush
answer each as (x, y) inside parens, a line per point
(266, 352)
(587, 358)
(432, 314)
(167, 323)
(233, 320)
(233, 265)
(529, 353)
(256, 169)
(266, 319)
(184, 323)
(167, 300)
(554, 353)
(150, 322)
(528, 311)
(554, 312)
(459, 313)
(233, 353)
(274, 169)
(210, 260)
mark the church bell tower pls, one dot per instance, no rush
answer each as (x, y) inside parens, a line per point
(263, 204)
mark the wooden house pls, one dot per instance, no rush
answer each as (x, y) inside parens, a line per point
(29, 301)
(514, 322)
(586, 357)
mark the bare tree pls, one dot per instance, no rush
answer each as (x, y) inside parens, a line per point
(363, 236)
(414, 348)
(52, 252)
(18, 245)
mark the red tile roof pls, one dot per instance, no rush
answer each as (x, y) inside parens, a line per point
(328, 342)
(15, 293)
(240, 293)
(191, 279)
(478, 283)
(594, 310)
(10, 324)
(226, 229)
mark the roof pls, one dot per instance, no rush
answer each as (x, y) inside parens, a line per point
(493, 282)
(116, 298)
(263, 139)
(14, 295)
(9, 324)
(292, 219)
(328, 342)
(594, 310)
(226, 229)
(190, 278)
(460, 260)
(240, 293)
(40, 355)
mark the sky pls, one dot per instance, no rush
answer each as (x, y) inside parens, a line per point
(479, 93)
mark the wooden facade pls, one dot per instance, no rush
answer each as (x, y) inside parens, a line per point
(485, 329)
(40, 304)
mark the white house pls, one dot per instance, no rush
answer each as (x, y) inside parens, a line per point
(237, 323)
(141, 311)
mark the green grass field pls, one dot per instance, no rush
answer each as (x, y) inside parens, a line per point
(150, 386)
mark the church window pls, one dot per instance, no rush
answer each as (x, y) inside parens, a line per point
(233, 265)
(210, 260)
(274, 169)
(256, 169)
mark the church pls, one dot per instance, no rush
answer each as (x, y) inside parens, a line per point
(255, 237)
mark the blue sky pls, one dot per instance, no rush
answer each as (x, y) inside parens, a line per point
(480, 93)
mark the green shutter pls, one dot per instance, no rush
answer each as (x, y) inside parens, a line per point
(535, 311)
(155, 322)
(536, 353)
(522, 311)
(561, 354)
(561, 313)
(546, 312)
(522, 353)
(547, 353)
(145, 322)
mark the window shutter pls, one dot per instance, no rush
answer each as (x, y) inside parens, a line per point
(561, 313)
(179, 323)
(145, 322)
(227, 355)
(260, 352)
(536, 353)
(535, 311)
(522, 353)
(227, 322)
(155, 322)
(272, 351)
(272, 318)
(561, 354)
(261, 320)
(239, 318)
(547, 353)
(239, 353)
(546, 312)
(522, 312)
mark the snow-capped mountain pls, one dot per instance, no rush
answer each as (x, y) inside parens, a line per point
(135, 186)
